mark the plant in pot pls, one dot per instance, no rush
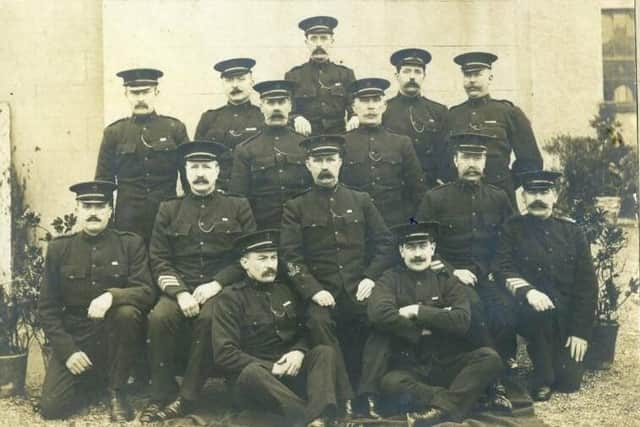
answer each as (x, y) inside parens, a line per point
(607, 240)
(19, 322)
(598, 171)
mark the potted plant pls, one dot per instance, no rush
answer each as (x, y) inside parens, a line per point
(19, 322)
(599, 170)
(607, 239)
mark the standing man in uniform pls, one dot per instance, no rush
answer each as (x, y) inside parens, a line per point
(269, 168)
(471, 214)
(379, 162)
(191, 255)
(236, 121)
(96, 291)
(545, 262)
(259, 339)
(500, 118)
(139, 154)
(321, 101)
(426, 314)
(334, 244)
(411, 114)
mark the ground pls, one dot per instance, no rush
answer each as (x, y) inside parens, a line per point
(608, 398)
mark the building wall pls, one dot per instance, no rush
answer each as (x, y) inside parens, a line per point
(51, 63)
(551, 69)
(59, 69)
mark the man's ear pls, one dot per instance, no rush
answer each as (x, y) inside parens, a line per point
(243, 261)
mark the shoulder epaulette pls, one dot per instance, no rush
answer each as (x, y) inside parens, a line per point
(342, 66)
(126, 233)
(505, 101)
(297, 67)
(238, 285)
(229, 193)
(170, 118)
(118, 121)
(453, 107)
(441, 186)
(434, 102)
(301, 192)
(64, 236)
(564, 218)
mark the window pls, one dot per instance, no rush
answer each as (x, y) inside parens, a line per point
(619, 58)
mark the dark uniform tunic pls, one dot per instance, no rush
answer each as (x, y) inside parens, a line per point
(254, 325)
(269, 169)
(423, 121)
(428, 359)
(139, 154)
(229, 125)
(321, 95)
(384, 165)
(471, 216)
(513, 133)
(192, 242)
(330, 240)
(78, 269)
(554, 257)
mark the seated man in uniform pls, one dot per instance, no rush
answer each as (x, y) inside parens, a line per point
(432, 369)
(191, 260)
(96, 290)
(259, 339)
(545, 262)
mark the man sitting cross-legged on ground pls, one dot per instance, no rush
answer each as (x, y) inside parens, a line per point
(259, 339)
(432, 369)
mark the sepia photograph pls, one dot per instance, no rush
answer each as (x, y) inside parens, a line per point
(319, 213)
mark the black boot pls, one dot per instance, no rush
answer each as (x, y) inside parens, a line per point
(176, 409)
(150, 412)
(372, 405)
(429, 417)
(120, 408)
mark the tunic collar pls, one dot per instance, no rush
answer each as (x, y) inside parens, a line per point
(479, 101)
(144, 118)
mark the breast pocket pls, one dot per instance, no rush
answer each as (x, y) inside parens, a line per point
(350, 227)
(495, 128)
(337, 89)
(256, 323)
(297, 172)
(112, 275)
(73, 281)
(262, 170)
(179, 236)
(390, 168)
(164, 155)
(125, 152)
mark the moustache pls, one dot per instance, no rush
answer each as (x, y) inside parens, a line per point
(277, 116)
(412, 84)
(472, 171)
(269, 272)
(325, 174)
(235, 91)
(201, 181)
(93, 218)
(538, 205)
(319, 50)
(141, 105)
(418, 259)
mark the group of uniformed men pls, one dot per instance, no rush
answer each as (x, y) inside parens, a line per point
(327, 274)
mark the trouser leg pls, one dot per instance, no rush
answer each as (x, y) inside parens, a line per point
(60, 396)
(124, 328)
(166, 324)
(498, 310)
(537, 328)
(352, 332)
(465, 377)
(200, 359)
(478, 334)
(322, 331)
(319, 367)
(258, 388)
(406, 391)
(375, 363)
